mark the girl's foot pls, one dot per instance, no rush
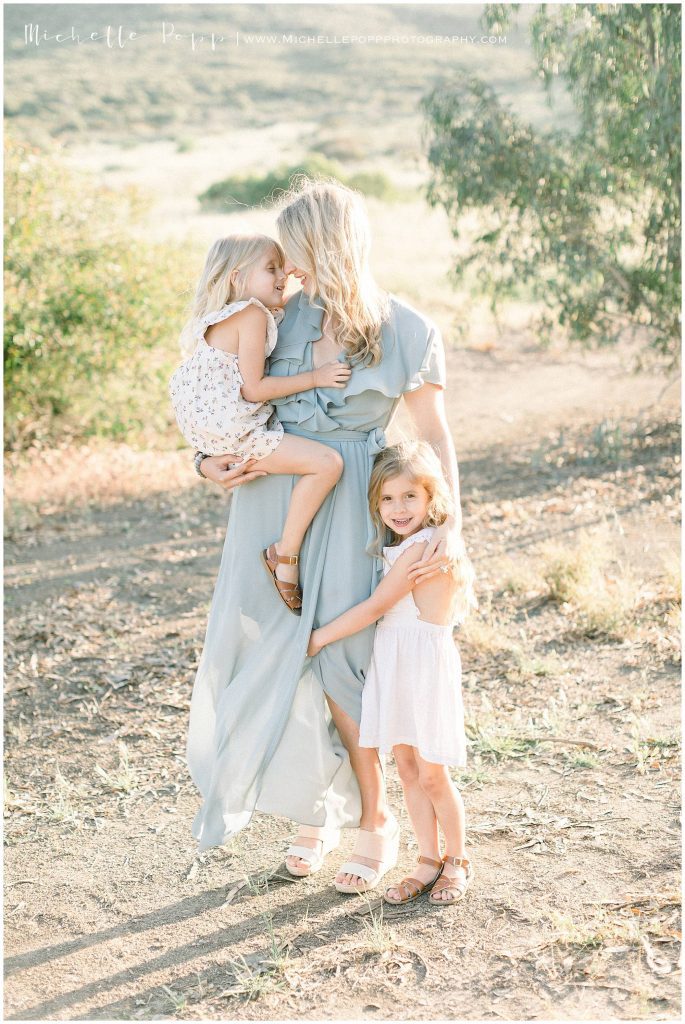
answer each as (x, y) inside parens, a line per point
(276, 565)
(455, 879)
(424, 873)
(285, 571)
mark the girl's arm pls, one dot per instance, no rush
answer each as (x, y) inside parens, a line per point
(258, 387)
(426, 406)
(393, 587)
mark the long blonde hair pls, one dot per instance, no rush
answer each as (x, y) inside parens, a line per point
(420, 463)
(324, 229)
(215, 289)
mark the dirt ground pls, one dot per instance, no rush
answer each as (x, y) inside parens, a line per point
(573, 784)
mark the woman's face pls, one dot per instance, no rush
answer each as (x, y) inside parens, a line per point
(290, 267)
(403, 504)
(266, 280)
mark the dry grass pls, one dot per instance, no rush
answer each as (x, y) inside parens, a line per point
(486, 630)
(123, 778)
(55, 480)
(592, 584)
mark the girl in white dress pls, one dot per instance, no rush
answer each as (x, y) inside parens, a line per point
(411, 702)
(221, 395)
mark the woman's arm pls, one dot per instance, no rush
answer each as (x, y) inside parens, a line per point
(259, 388)
(392, 588)
(426, 407)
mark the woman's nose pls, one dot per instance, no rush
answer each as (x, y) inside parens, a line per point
(288, 267)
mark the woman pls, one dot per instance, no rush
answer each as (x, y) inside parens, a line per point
(260, 737)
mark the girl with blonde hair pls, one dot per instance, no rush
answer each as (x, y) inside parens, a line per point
(411, 702)
(221, 394)
(272, 729)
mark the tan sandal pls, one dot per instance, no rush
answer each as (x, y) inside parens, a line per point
(453, 885)
(381, 846)
(290, 593)
(418, 887)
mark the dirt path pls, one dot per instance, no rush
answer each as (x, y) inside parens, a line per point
(572, 789)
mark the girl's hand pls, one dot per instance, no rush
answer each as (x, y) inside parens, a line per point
(217, 469)
(332, 375)
(315, 644)
(445, 547)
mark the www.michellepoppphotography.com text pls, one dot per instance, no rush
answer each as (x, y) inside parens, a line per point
(118, 37)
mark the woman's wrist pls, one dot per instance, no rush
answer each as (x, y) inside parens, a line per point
(198, 459)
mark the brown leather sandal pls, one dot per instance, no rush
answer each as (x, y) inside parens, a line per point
(453, 885)
(408, 884)
(290, 593)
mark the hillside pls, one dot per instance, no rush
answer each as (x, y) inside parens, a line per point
(264, 68)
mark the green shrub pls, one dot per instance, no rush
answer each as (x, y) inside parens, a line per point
(253, 189)
(91, 312)
(374, 183)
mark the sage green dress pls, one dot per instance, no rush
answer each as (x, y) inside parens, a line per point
(260, 735)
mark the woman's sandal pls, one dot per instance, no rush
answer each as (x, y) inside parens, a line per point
(418, 887)
(329, 839)
(376, 846)
(290, 593)
(445, 883)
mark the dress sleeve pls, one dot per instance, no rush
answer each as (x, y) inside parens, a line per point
(413, 352)
(432, 369)
(391, 554)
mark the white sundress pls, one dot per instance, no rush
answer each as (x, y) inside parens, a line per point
(205, 392)
(412, 691)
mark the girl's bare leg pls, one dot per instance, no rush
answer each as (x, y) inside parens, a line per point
(436, 783)
(421, 813)
(367, 768)
(319, 468)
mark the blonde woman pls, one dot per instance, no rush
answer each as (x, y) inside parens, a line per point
(272, 730)
(221, 394)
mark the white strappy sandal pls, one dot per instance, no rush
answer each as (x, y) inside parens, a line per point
(329, 839)
(380, 846)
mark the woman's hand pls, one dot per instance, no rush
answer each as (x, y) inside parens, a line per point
(217, 469)
(315, 643)
(332, 375)
(445, 546)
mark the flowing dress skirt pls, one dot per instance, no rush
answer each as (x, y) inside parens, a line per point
(260, 734)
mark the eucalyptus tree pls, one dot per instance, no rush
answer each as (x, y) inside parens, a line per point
(586, 215)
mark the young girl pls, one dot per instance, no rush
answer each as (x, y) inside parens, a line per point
(221, 394)
(411, 702)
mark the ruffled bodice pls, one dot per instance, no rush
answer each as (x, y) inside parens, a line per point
(412, 355)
